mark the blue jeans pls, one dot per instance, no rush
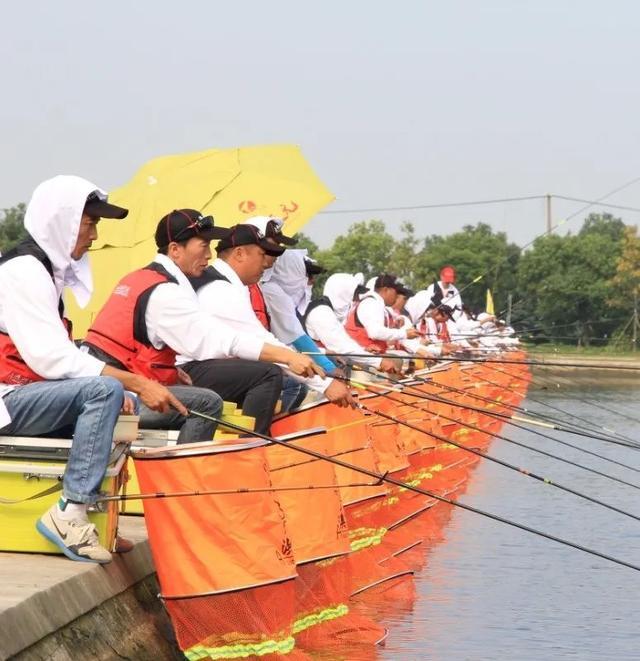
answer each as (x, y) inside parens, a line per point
(293, 393)
(192, 429)
(90, 405)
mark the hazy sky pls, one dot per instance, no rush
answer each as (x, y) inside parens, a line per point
(394, 104)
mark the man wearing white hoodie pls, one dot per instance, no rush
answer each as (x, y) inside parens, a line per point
(46, 382)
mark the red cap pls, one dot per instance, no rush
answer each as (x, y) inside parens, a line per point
(448, 275)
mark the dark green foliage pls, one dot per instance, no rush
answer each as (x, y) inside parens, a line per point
(11, 227)
(563, 285)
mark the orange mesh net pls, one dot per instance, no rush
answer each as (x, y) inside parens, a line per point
(355, 548)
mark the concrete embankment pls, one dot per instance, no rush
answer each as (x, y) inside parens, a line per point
(56, 610)
(568, 369)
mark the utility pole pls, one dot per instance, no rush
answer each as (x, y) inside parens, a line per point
(509, 300)
(636, 323)
(547, 198)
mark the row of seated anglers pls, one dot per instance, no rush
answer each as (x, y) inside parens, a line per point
(174, 336)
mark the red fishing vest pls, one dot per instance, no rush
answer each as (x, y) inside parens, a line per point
(443, 332)
(120, 330)
(259, 305)
(357, 331)
(13, 369)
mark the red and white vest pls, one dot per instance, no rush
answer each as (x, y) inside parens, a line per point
(358, 332)
(119, 332)
(13, 369)
(259, 305)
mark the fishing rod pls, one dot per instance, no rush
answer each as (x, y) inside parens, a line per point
(597, 404)
(555, 326)
(589, 402)
(540, 451)
(511, 418)
(611, 437)
(589, 204)
(409, 356)
(424, 492)
(607, 431)
(557, 440)
(484, 455)
(229, 492)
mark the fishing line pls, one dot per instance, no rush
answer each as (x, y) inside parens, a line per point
(424, 492)
(537, 450)
(230, 492)
(484, 455)
(610, 432)
(410, 356)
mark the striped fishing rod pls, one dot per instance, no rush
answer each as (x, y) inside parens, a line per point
(590, 402)
(591, 426)
(610, 435)
(560, 441)
(588, 204)
(455, 359)
(514, 420)
(480, 453)
(539, 451)
(230, 492)
(498, 403)
(384, 477)
(555, 427)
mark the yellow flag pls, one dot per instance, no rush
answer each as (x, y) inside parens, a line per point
(489, 307)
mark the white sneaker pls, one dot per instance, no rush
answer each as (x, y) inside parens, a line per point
(77, 538)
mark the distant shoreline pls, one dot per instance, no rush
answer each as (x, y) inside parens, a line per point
(588, 370)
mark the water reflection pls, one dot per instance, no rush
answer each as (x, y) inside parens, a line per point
(493, 592)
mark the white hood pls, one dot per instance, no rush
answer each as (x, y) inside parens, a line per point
(290, 273)
(53, 219)
(417, 305)
(339, 289)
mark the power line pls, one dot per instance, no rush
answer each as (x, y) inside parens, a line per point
(596, 203)
(502, 200)
(437, 206)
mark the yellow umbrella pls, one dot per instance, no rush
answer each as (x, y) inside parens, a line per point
(229, 184)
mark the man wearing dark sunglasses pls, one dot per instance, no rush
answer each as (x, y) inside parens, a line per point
(153, 315)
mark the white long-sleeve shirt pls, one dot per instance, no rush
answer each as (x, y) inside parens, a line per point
(372, 313)
(29, 314)
(174, 318)
(229, 304)
(323, 326)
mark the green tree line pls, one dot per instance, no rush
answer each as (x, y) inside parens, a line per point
(578, 288)
(574, 289)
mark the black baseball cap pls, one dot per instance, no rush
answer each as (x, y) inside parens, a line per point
(184, 224)
(313, 268)
(97, 206)
(359, 291)
(274, 231)
(405, 291)
(247, 235)
(387, 280)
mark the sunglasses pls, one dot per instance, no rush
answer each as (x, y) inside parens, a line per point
(96, 196)
(200, 224)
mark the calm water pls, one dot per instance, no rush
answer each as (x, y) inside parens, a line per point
(493, 592)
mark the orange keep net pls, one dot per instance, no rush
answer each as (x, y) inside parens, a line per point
(225, 563)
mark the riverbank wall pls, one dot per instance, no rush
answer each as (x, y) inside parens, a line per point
(52, 609)
(570, 370)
